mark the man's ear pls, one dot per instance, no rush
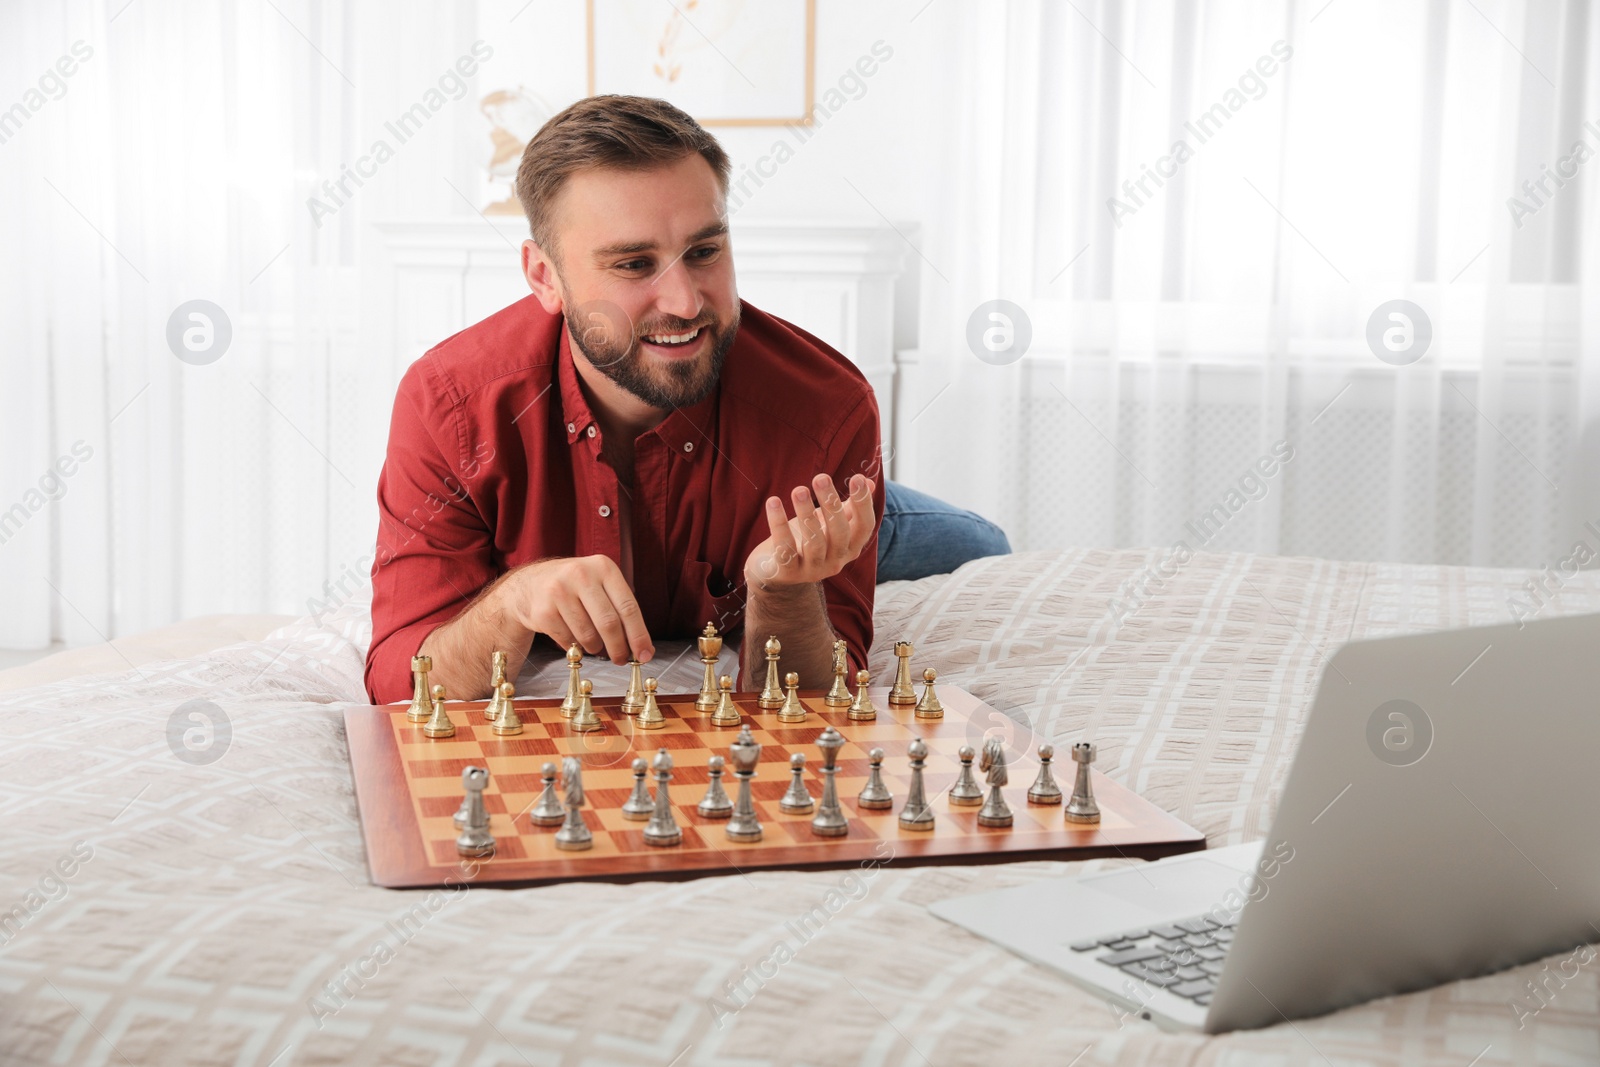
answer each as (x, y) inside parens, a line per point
(540, 272)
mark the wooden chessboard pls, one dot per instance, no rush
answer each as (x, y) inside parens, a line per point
(409, 785)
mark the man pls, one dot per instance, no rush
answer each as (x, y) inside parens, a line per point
(597, 463)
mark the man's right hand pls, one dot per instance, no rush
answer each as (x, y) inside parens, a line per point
(584, 600)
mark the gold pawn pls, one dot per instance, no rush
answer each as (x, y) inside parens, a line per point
(439, 724)
(839, 695)
(421, 708)
(584, 719)
(497, 675)
(861, 709)
(771, 692)
(633, 699)
(650, 717)
(508, 723)
(929, 707)
(902, 692)
(727, 713)
(710, 648)
(792, 710)
(574, 697)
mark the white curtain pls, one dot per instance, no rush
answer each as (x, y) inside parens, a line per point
(1340, 156)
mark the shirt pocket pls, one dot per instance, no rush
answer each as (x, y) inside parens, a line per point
(704, 595)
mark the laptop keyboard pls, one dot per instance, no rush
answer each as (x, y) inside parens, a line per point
(1184, 957)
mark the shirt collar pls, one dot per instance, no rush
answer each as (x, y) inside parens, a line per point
(686, 431)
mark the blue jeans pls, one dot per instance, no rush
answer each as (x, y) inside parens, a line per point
(922, 535)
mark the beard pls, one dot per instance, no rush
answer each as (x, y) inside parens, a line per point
(614, 347)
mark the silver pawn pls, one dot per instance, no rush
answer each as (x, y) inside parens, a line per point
(1044, 789)
(548, 811)
(716, 804)
(662, 829)
(797, 801)
(745, 753)
(918, 813)
(574, 835)
(638, 807)
(830, 820)
(996, 812)
(475, 838)
(966, 793)
(1082, 807)
(875, 795)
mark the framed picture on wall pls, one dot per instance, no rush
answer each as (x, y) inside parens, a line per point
(725, 62)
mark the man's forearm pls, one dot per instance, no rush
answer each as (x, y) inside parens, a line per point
(462, 648)
(798, 615)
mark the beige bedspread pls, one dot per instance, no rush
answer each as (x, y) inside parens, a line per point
(171, 912)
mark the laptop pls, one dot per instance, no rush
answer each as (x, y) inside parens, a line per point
(1441, 819)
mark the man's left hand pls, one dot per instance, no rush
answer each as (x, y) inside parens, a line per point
(826, 533)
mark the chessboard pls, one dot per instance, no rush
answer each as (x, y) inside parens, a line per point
(408, 787)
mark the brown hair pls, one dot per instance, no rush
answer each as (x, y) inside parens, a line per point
(626, 132)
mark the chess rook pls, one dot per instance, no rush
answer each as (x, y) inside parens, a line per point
(797, 801)
(508, 723)
(1082, 808)
(574, 697)
(966, 792)
(716, 804)
(861, 709)
(638, 807)
(574, 835)
(839, 695)
(421, 706)
(996, 812)
(771, 693)
(710, 648)
(1044, 789)
(918, 813)
(902, 692)
(475, 838)
(745, 754)
(875, 795)
(662, 830)
(439, 724)
(830, 820)
(929, 707)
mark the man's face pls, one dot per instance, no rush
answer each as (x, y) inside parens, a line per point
(646, 277)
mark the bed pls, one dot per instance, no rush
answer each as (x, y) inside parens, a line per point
(219, 912)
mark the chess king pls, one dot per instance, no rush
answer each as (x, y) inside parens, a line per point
(631, 450)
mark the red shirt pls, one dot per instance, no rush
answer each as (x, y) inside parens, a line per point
(494, 461)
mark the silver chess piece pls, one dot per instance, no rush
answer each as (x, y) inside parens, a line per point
(745, 754)
(797, 801)
(639, 807)
(716, 804)
(995, 812)
(548, 811)
(574, 835)
(475, 838)
(1044, 789)
(830, 820)
(662, 830)
(1082, 807)
(875, 795)
(966, 792)
(918, 813)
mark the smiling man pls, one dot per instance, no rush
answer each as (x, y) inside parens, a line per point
(631, 451)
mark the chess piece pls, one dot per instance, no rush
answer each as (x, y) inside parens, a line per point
(716, 804)
(508, 723)
(771, 693)
(745, 754)
(662, 829)
(439, 724)
(727, 713)
(792, 710)
(797, 801)
(965, 793)
(650, 717)
(548, 811)
(633, 699)
(421, 707)
(574, 835)
(829, 820)
(1044, 789)
(996, 812)
(710, 648)
(902, 692)
(918, 813)
(638, 807)
(574, 697)
(929, 707)
(1082, 808)
(584, 720)
(861, 709)
(497, 675)
(475, 838)
(839, 695)
(875, 795)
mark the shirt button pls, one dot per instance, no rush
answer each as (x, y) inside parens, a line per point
(591, 431)
(605, 511)
(688, 446)
(572, 427)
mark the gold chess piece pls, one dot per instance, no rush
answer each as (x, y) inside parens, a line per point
(633, 699)
(792, 710)
(839, 695)
(771, 691)
(574, 697)
(710, 649)
(421, 708)
(497, 677)
(439, 724)
(650, 717)
(861, 709)
(584, 719)
(507, 723)
(902, 692)
(929, 707)
(727, 713)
